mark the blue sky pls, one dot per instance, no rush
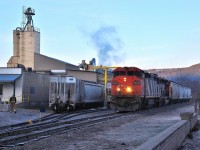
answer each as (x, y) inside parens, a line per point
(144, 33)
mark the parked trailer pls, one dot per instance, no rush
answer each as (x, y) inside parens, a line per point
(68, 93)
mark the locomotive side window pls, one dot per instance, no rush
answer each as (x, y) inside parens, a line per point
(119, 73)
(130, 73)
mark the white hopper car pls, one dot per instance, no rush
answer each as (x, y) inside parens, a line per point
(68, 93)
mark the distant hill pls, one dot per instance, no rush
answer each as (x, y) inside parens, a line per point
(189, 76)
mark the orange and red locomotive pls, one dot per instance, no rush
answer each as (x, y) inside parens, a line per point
(133, 88)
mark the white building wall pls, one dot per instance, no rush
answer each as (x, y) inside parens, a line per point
(8, 89)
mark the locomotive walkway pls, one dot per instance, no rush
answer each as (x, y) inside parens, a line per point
(135, 131)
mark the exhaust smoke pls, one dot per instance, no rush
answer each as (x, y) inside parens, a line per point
(108, 46)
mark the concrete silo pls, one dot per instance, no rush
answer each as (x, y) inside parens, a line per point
(26, 42)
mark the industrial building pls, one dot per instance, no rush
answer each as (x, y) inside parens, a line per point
(26, 47)
(28, 72)
(28, 87)
(31, 88)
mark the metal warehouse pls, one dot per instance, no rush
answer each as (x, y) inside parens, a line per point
(29, 87)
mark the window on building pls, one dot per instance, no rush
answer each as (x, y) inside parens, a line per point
(32, 90)
(1, 89)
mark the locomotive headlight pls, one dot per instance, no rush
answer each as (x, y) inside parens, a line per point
(118, 89)
(128, 89)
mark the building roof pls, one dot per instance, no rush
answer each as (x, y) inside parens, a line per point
(9, 77)
(55, 59)
(43, 62)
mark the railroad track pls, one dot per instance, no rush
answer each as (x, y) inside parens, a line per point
(50, 118)
(53, 124)
(20, 135)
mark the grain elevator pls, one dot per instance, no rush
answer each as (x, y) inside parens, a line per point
(26, 41)
(26, 47)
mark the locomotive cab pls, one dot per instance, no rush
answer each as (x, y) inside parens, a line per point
(126, 88)
(126, 82)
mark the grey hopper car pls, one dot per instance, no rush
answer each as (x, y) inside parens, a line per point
(67, 93)
(179, 93)
(160, 91)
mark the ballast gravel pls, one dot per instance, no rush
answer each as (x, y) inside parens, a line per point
(125, 133)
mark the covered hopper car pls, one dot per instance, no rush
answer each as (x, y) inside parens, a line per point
(68, 93)
(133, 88)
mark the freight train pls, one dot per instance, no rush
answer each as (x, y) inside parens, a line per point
(133, 89)
(68, 93)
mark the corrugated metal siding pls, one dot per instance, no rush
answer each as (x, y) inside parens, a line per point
(40, 84)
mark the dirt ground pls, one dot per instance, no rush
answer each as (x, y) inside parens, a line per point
(125, 133)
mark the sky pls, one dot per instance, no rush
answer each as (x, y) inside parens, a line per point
(149, 34)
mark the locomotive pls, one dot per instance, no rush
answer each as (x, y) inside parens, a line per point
(133, 89)
(68, 93)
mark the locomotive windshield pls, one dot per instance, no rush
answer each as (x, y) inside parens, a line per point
(119, 73)
(130, 73)
(134, 73)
